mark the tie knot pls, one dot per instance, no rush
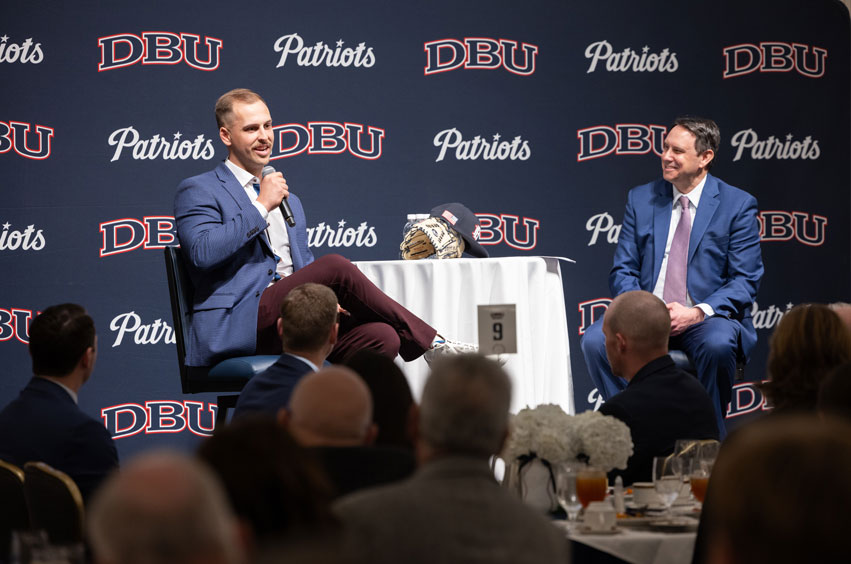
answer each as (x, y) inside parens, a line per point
(684, 202)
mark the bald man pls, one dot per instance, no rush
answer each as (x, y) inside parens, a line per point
(661, 403)
(331, 412)
(163, 508)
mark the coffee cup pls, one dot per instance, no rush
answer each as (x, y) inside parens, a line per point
(643, 493)
(600, 516)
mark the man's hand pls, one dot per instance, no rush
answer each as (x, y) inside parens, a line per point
(273, 189)
(683, 317)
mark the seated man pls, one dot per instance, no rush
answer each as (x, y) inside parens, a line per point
(243, 256)
(44, 423)
(661, 403)
(308, 331)
(452, 509)
(331, 413)
(692, 240)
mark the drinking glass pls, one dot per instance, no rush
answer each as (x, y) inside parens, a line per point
(591, 485)
(566, 490)
(667, 479)
(702, 469)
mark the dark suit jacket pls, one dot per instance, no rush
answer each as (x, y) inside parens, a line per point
(229, 261)
(661, 404)
(270, 390)
(44, 424)
(724, 257)
(355, 468)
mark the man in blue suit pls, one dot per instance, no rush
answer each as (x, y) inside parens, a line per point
(243, 258)
(44, 424)
(308, 331)
(708, 276)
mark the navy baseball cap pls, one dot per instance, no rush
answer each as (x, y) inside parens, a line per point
(465, 223)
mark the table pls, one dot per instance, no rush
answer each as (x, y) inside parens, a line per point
(641, 547)
(445, 294)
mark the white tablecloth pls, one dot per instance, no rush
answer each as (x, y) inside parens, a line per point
(641, 547)
(445, 294)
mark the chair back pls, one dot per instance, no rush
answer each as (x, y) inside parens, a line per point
(54, 502)
(180, 291)
(14, 515)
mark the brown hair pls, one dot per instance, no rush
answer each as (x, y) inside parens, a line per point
(224, 105)
(58, 338)
(308, 312)
(809, 341)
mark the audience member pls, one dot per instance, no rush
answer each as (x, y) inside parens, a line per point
(809, 341)
(393, 409)
(331, 412)
(275, 487)
(44, 422)
(780, 492)
(452, 509)
(163, 508)
(661, 403)
(308, 330)
(834, 396)
(843, 310)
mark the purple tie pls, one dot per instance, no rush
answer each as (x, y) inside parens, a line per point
(675, 276)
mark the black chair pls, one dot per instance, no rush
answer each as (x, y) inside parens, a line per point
(54, 502)
(14, 515)
(683, 361)
(229, 375)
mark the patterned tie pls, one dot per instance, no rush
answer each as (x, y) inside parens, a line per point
(675, 276)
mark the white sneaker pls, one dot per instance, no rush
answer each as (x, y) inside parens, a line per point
(446, 346)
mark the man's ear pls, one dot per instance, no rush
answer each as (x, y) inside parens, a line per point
(621, 342)
(706, 157)
(334, 334)
(280, 326)
(283, 417)
(224, 135)
(87, 359)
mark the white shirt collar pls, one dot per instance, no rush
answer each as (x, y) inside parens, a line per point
(244, 177)
(304, 360)
(694, 195)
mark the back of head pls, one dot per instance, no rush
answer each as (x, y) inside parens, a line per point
(224, 105)
(58, 338)
(308, 313)
(272, 483)
(391, 396)
(778, 492)
(331, 407)
(834, 396)
(464, 408)
(642, 318)
(809, 341)
(162, 508)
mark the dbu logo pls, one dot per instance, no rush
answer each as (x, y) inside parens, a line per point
(508, 229)
(15, 322)
(480, 53)
(774, 56)
(124, 235)
(155, 417)
(622, 139)
(28, 140)
(328, 138)
(784, 226)
(159, 48)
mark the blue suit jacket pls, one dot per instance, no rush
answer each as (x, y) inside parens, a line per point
(44, 424)
(229, 261)
(270, 390)
(724, 257)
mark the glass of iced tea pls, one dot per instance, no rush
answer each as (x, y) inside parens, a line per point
(591, 485)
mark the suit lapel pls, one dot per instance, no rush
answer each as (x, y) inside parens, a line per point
(662, 207)
(232, 187)
(705, 211)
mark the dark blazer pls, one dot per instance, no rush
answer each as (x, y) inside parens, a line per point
(270, 390)
(358, 467)
(724, 257)
(229, 261)
(661, 404)
(44, 424)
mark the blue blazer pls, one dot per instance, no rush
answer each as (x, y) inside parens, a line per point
(724, 257)
(271, 390)
(229, 261)
(44, 424)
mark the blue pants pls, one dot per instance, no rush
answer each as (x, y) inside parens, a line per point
(710, 345)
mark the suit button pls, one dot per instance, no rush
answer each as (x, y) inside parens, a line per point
(270, 272)
(256, 294)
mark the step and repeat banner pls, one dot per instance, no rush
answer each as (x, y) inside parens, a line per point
(539, 116)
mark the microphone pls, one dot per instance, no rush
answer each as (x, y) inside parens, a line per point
(285, 208)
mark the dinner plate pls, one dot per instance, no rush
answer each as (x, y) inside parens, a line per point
(635, 521)
(585, 530)
(674, 526)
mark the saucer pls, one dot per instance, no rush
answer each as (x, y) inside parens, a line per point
(674, 526)
(585, 530)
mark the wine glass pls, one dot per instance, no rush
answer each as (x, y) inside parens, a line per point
(566, 490)
(591, 485)
(702, 468)
(667, 479)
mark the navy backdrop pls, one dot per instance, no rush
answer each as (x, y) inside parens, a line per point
(538, 115)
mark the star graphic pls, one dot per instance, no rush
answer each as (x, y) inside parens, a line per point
(789, 305)
(788, 137)
(646, 48)
(177, 135)
(361, 44)
(496, 137)
(339, 43)
(4, 38)
(477, 138)
(7, 225)
(341, 223)
(518, 138)
(200, 137)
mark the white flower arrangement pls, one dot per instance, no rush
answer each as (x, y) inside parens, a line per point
(549, 433)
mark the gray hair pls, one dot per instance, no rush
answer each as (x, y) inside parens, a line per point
(162, 508)
(465, 405)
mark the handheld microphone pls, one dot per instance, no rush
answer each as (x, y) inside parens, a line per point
(285, 208)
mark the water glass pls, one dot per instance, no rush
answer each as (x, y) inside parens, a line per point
(566, 491)
(667, 479)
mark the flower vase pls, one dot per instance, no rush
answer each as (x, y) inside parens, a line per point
(534, 482)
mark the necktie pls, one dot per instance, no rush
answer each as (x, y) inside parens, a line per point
(675, 276)
(256, 187)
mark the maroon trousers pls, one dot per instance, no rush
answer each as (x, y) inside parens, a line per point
(376, 321)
